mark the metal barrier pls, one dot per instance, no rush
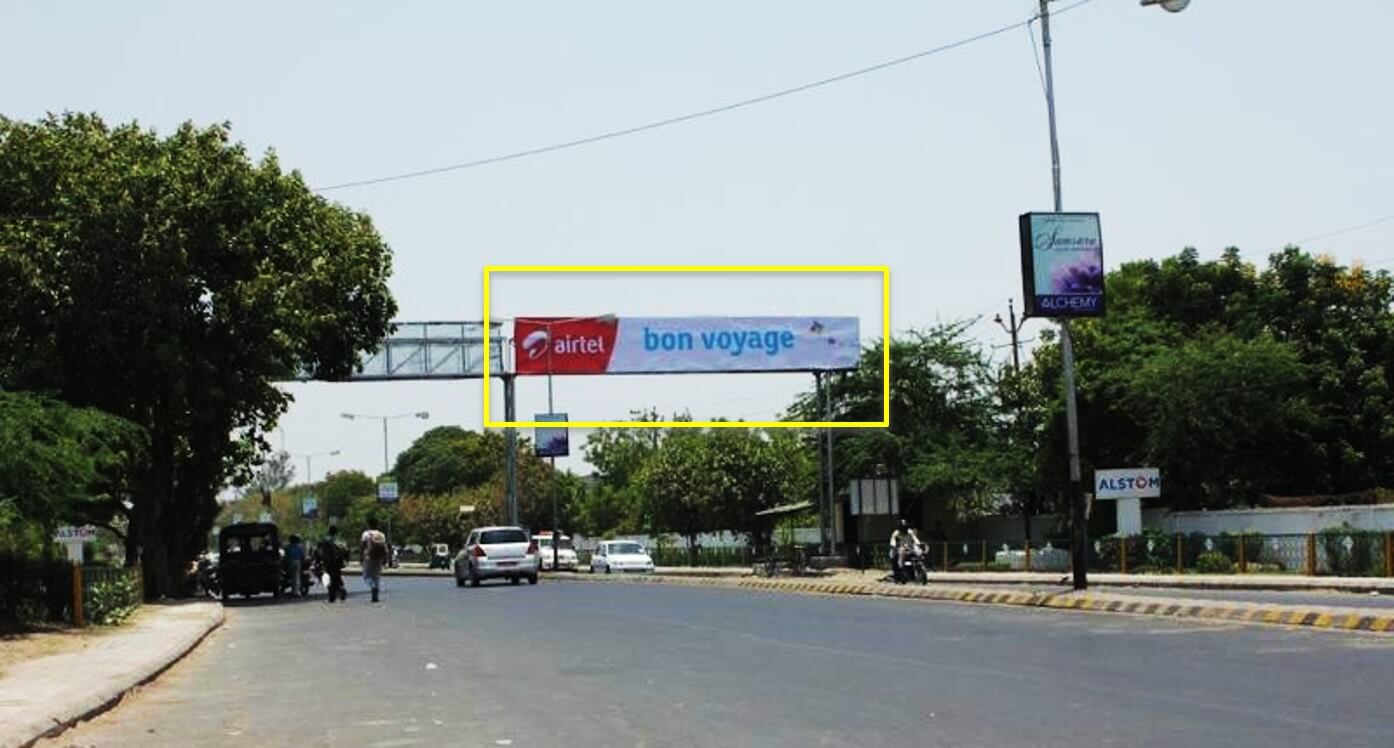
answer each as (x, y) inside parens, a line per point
(1328, 553)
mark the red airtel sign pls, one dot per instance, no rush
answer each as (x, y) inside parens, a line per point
(560, 345)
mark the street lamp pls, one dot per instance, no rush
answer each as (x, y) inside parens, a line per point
(1079, 536)
(386, 467)
(1170, 6)
(309, 473)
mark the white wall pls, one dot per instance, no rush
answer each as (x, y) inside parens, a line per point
(1295, 521)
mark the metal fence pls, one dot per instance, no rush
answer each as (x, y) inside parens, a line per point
(36, 591)
(1330, 553)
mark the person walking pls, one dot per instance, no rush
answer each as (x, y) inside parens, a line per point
(295, 564)
(375, 555)
(331, 557)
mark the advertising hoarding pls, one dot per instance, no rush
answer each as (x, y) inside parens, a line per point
(551, 442)
(309, 507)
(1062, 264)
(655, 345)
(1128, 483)
(387, 489)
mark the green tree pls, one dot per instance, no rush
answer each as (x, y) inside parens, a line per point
(448, 458)
(339, 490)
(713, 480)
(615, 501)
(171, 281)
(945, 442)
(1238, 380)
(61, 465)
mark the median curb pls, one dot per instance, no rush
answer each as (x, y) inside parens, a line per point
(94, 691)
(1380, 621)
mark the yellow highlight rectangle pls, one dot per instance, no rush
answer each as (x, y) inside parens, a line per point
(884, 271)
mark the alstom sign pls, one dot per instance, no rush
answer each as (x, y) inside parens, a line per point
(1128, 483)
(654, 345)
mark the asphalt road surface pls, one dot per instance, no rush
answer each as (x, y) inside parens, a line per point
(591, 665)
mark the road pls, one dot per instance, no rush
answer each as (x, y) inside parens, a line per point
(594, 664)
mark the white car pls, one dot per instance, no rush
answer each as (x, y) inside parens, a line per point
(566, 554)
(496, 552)
(622, 556)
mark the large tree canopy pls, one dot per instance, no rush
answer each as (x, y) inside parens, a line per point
(947, 440)
(58, 465)
(170, 281)
(1237, 381)
(449, 458)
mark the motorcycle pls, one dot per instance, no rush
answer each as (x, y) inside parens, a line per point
(306, 581)
(911, 567)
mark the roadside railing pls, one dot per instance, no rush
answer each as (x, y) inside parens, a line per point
(1328, 553)
(37, 591)
(1345, 553)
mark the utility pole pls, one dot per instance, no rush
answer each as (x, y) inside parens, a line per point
(510, 437)
(1079, 535)
(556, 534)
(1012, 327)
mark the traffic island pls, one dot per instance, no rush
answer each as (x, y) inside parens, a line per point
(44, 696)
(1375, 620)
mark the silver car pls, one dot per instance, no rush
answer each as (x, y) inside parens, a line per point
(497, 552)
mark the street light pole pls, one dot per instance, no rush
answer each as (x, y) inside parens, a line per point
(549, 325)
(1079, 535)
(386, 466)
(556, 534)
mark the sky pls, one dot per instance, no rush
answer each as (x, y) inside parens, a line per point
(1251, 123)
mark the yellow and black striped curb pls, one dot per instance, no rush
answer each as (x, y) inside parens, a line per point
(1282, 615)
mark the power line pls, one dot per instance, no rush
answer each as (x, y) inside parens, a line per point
(732, 106)
(1337, 232)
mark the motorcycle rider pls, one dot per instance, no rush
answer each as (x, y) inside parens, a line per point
(904, 541)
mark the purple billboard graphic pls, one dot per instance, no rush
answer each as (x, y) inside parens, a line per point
(551, 441)
(1062, 264)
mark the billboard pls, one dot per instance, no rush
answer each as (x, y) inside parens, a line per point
(309, 507)
(387, 489)
(1062, 264)
(656, 345)
(1128, 483)
(551, 442)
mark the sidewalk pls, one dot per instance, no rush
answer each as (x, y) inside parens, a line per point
(45, 695)
(1340, 617)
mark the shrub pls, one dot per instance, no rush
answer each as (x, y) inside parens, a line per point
(110, 602)
(1214, 563)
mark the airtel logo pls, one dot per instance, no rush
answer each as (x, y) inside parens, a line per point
(535, 344)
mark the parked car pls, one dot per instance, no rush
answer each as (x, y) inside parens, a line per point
(497, 552)
(440, 556)
(565, 553)
(622, 556)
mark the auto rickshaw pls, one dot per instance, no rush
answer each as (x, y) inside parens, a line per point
(249, 560)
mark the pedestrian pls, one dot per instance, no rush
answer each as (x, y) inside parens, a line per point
(331, 557)
(295, 562)
(375, 556)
